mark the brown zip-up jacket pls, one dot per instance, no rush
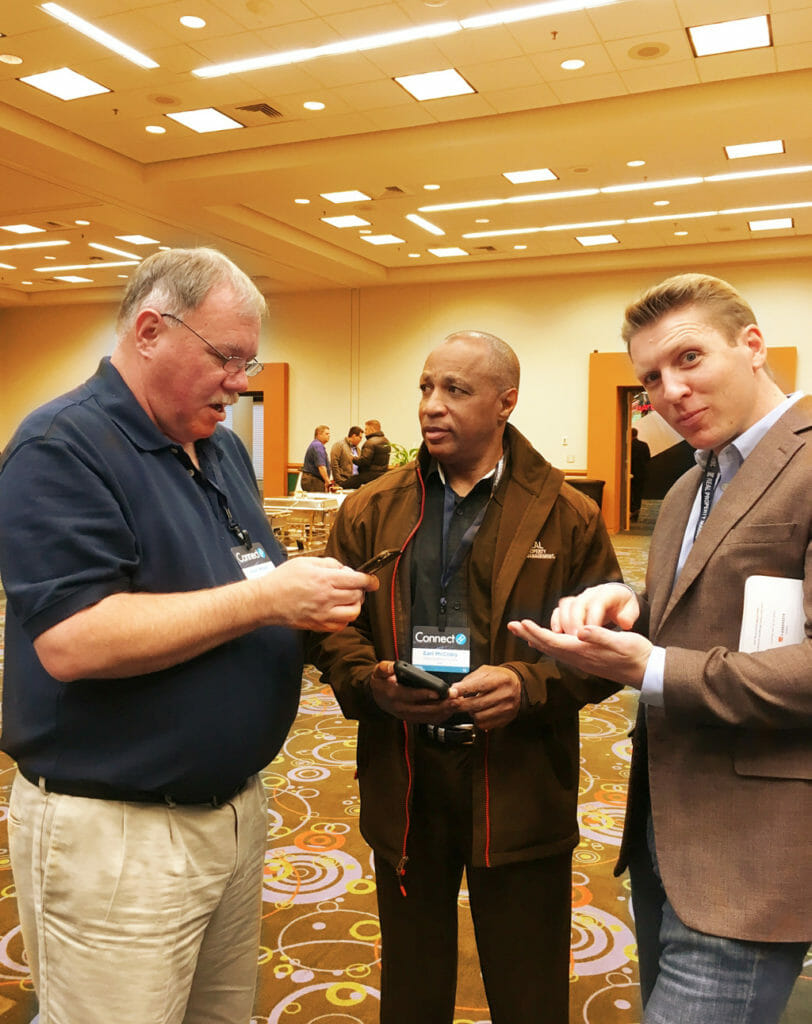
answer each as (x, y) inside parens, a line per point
(540, 539)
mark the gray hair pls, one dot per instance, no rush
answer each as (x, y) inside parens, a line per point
(178, 280)
(504, 363)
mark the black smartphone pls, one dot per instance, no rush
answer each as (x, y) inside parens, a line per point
(377, 562)
(417, 678)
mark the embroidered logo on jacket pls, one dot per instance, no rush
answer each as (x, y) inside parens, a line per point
(539, 551)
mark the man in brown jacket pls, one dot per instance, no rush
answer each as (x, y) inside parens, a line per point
(719, 822)
(487, 778)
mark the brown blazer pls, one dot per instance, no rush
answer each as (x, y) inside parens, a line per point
(730, 754)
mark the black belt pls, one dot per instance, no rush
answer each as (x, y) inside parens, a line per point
(450, 735)
(103, 791)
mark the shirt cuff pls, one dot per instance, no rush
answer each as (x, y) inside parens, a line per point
(651, 692)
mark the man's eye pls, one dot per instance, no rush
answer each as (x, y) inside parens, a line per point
(690, 357)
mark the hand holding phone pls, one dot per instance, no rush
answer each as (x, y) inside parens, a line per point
(377, 562)
(417, 678)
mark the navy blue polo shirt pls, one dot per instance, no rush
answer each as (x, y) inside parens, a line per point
(95, 500)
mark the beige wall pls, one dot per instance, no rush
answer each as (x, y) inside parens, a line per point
(358, 354)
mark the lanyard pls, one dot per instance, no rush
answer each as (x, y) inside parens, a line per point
(710, 478)
(233, 526)
(451, 565)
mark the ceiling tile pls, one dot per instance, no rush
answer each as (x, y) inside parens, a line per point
(578, 90)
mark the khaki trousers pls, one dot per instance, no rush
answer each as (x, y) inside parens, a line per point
(139, 913)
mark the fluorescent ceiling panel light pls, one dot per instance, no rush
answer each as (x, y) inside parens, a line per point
(426, 225)
(673, 216)
(453, 250)
(729, 36)
(502, 233)
(584, 226)
(531, 12)
(114, 252)
(350, 221)
(358, 45)
(474, 204)
(773, 172)
(34, 245)
(65, 84)
(87, 266)
(382, 239)
(73, 279)
(642, 186)
(93, 32)
(588, 240)
(435, 85)
(538, 197)
(523, 177)
(21, 229)
(746, 149)
(350, 196)
(766, 209)
(137, 239)
(206, 119)
(771, 225)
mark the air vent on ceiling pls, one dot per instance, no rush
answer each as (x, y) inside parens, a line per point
(57, 225)
(261, 108)
(484, 248)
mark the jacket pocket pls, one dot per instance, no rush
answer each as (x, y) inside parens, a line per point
(773, 755)
(761, 533)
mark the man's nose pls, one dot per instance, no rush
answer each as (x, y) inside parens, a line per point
(673, 386)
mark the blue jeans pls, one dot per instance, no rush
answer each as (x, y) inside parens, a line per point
(688, 977)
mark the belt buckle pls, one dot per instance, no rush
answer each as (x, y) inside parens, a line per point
(457, 735)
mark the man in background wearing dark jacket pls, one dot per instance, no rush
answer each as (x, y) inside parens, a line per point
(374, 459)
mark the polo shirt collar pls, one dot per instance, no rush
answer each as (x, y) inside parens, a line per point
(114, 395)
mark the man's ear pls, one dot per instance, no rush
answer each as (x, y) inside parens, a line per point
(148, 327)
(754, 340)
(507, 403)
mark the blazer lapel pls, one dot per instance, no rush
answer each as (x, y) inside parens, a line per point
(755, 476)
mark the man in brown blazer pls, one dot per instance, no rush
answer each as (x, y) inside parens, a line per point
(719, 819)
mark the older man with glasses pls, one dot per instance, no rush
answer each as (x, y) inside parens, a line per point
(153, 662)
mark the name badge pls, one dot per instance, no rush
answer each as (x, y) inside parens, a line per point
(254, 561)
(441, 650)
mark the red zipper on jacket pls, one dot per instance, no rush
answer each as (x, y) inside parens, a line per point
(401, 868)
(487, 804)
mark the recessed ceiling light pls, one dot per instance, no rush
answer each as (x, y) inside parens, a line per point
(82, 223)
(635, 163)
(125, 277)
(313, 105)
(426, 225)
(661, 202)
(155, 129)
(453, 250)
(680, 233)
(350, 196)
(483, 220)
(65, 84)
(728, 36)
(431, 187)
(754, 149)
(771, 225)
(365, 231)
(206, 119)
(435, 85)
(412, 256)
(163, 248)
(572, 65)
(302, 202)
(523, 177)
(191, 21)
(350, 221)
(382, 239)
(90, 30)
(137, 239)
(519, 246)
(73, 279)
(49, 257)
(26, 282)
(588, 240)
(21, 229)
(10, 58)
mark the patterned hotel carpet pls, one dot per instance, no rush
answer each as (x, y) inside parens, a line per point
(319, 957)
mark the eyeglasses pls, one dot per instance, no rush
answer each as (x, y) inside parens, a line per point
(231, 364)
